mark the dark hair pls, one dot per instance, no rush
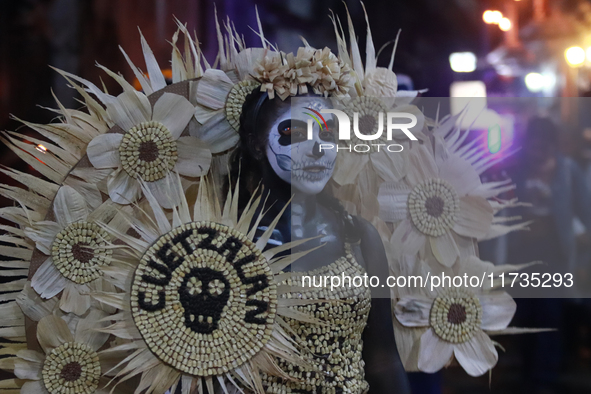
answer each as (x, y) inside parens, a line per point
(246, 162)
(542, 128)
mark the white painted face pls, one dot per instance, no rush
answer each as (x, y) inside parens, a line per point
(294, 158)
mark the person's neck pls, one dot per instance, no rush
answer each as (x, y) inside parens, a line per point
(280, 193)
(304, 204)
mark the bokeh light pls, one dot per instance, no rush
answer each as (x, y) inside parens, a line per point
(494, 138)
(575, 56)
(496, 16)
(534, 82)
(488, 17)
(505, 24)
(462, 62)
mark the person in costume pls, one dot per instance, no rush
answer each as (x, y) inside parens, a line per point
(204, 290)
(356, 351)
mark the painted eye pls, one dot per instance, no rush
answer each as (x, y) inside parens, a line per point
(285, 129)
(289, 127)
(327, 135)
(294, 130)
(297, 131)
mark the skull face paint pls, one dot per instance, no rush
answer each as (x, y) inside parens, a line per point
(293, 157)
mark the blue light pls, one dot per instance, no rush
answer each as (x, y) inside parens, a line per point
(494, 138)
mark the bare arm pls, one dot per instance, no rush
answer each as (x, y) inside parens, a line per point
(383, 369)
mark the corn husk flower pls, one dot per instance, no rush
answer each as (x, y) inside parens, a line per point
(380, 82)
(449, 141)
(269, 71)
(151, 147)
(442, 206)
(300, 70)
(76, 247)
(382, 160)
(54, 160)
(453, 322)
(377, 160)
(332, 74)
(369, 80)
(187, 310)
(376, 91)
(219, 96)
(25, 304)
(68, 362)
(147, 140)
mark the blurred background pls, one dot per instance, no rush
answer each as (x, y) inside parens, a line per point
(528, 62)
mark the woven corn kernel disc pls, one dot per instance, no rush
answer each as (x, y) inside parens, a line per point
(79, 251)
(236, 99)
(71, 368)
(148, 151)
(433, 206)
(456, 315)
(204, 299)
(368, 111)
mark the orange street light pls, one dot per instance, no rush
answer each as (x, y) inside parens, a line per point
(575, 56)
(505, 24)
(492, 17)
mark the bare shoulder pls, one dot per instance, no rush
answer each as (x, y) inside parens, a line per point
(369, 235)
(372, 249)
